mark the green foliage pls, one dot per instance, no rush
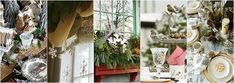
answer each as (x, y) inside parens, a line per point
(133, 43)
(113, 55)
(17, 39)
(40, 34)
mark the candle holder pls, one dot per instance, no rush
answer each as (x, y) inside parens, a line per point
(159, 56)
(224, 30)
(26, 39)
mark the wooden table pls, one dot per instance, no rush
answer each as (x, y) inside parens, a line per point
(7, 70)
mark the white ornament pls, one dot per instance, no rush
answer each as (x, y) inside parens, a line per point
(52, 52)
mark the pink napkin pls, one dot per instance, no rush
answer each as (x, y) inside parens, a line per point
(177, 57)
(181, 59)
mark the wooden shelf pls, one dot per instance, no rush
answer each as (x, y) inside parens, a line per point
(102, 71)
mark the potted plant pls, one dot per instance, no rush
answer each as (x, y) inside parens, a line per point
(116, 55)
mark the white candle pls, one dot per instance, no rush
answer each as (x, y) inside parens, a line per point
(225, 25)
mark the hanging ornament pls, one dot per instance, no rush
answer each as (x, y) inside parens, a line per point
(52, 52)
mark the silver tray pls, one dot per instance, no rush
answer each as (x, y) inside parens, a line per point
(35, 69)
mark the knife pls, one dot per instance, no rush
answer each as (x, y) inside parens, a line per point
(171, 78)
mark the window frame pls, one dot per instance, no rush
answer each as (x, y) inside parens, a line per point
(133, 16)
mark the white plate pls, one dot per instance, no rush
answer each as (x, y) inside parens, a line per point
(212, 68)
(193, 7)
(193, 35)
(227, 77)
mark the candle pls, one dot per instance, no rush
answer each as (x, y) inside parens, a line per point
(225, 25)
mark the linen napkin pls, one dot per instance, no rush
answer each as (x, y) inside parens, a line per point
(177, 57)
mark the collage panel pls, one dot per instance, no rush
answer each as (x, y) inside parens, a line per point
(163, 41)
(70, 35)
(210, 41)
(23, 41)
(116, 41)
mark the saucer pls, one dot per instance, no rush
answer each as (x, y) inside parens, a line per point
(192, 36)
(193, 8)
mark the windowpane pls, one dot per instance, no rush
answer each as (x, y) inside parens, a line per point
(116, 15)
(96, 5)
(106, 5)
(128, 7)
(97, 21)
(128, 24)
(106, 21)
